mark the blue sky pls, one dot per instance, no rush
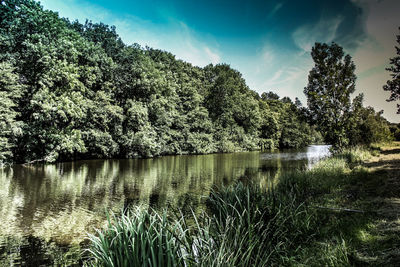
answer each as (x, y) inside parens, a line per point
(269, 42)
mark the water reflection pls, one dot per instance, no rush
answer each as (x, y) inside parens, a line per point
(60, 203)
(311, 155)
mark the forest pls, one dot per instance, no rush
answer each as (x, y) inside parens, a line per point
(77, 91)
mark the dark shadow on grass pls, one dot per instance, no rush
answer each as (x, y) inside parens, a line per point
(388, 163)
(391, 151)
(384, 164)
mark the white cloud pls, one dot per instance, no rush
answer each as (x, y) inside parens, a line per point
(324, 31)
(268, 56)
(264, 59)
(215, 58)
(176, 37)
(382, 22)
(184, 43)
(290, 80)
(287, 75)
(274, 79)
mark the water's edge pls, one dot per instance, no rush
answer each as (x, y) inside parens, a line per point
(48, 209)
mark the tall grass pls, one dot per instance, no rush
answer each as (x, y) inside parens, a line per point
(245, 225)
(255, 227)
(139, 238)
(355, 154)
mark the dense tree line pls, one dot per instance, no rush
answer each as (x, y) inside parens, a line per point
(70, 90)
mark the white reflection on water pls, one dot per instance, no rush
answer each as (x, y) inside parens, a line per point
(311, 155)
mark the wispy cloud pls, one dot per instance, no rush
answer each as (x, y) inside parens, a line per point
(275, 79)
(182, 41)
(274, 10)
(286, 75)
(268, 56)
(68, 9)
(215, 58)
(324, 31)
(174, 36)
(372, 56)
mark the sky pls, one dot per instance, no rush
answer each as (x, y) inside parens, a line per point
(268, 41)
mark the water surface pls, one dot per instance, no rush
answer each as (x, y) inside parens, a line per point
(46, 210)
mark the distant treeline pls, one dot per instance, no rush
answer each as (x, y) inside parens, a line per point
(70, 91)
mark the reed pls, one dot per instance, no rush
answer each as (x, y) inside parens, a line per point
(256, 226)
(138, 238)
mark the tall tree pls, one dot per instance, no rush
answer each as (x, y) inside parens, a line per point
(393, 85)
(330, 84)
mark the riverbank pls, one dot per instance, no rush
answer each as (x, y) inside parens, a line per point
(376, 241)
(342, 212)
(357, 207)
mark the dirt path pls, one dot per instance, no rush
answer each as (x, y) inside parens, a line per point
(388, 160)
(385, 170)
(381, 193)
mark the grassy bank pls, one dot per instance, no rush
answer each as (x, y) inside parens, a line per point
(340, 213)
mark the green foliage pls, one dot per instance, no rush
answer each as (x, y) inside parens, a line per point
(342, 122)
(365, 126)
(246, 226)
(393, 85)
(395, 131)
(139, 238)
(269, 96)
(10, 128)
(284, 124)
(355, 155)
(232, 107)
(330, 84)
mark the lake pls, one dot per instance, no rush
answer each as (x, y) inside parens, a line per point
(46, 210)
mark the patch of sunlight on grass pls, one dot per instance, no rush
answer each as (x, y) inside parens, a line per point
(366, 237)
(355, 155)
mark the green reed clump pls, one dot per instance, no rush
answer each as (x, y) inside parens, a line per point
(257, 227)
(139, 238)
(355, 154)
(246, 225)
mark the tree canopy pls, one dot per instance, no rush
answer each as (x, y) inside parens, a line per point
(330, 84)
(393, 85)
